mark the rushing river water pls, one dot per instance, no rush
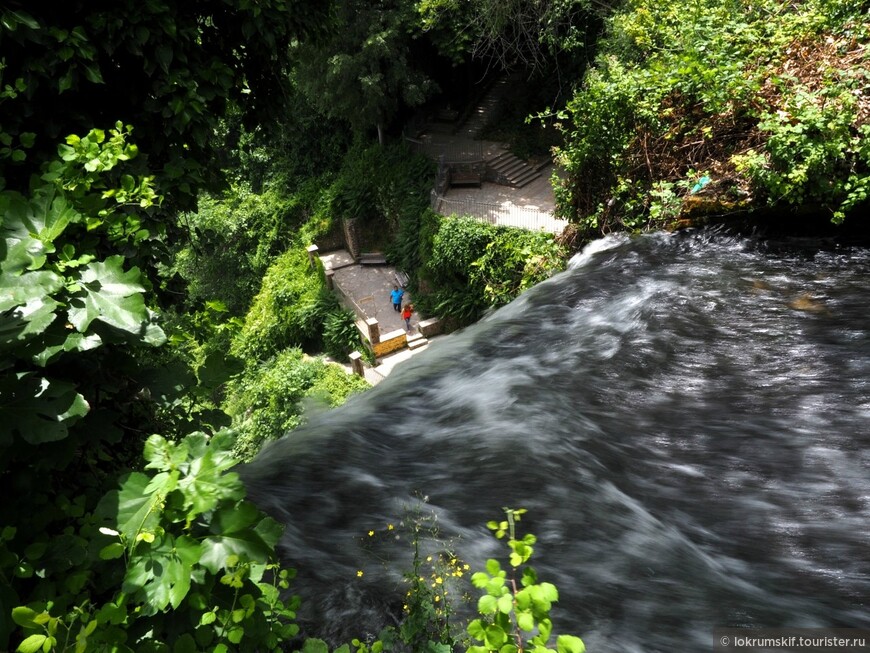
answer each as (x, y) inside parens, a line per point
(686, 419)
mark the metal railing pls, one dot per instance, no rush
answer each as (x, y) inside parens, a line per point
(507, 215)
(447, 153)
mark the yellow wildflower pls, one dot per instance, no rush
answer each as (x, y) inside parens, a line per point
(389, 527)
(371, 533)
(359, 573)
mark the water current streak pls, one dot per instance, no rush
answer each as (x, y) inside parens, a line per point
(685, 417)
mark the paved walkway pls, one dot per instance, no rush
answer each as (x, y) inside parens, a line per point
(368, 287)
(529, 207)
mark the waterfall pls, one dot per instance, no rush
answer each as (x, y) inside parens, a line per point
(686, 419)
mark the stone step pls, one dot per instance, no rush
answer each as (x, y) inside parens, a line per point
(511, 167)
(476, 120)
(525, 179)
(514, 170)
(416, 340)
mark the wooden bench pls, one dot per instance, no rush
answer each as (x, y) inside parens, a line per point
(372, 258)
(465, 177)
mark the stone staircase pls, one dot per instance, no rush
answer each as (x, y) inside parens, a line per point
(477, 118)
(511, 171)
(416, 340)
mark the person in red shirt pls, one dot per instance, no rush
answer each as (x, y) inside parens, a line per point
(406, 315)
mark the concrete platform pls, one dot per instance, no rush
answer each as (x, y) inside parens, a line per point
(369, 287)
(529, 207)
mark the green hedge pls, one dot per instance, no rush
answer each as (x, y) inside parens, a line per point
(472, 266)
(266, 401)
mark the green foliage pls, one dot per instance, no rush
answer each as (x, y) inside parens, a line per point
(474, 265)
(412, 246)
(192, 564)
(267, 400)
(680, 86)
(363, 73)
(428, 607)
(189, 377)
(434, 582)
(513, 262)
(61, 298)
(341, 335)
(512, 33)
(517, 604)
(289, 310)
(233, 240)
(514, 608)
(171, 71)
(381, 186)
(812, 153)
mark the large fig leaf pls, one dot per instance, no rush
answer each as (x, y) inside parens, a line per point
(113, 296)
(37, 409)
(26, 305)
(29, 228)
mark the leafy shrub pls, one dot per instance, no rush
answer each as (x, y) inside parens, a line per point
(474, 265)
(381, 186)
(514, 261)
(184, 561)
(318, 194)
(514, 606)
(508, 611)
(266, 401)
(812, 154)
(726, 89)
(289, 310)
(412, 246)
(340, 334)
(333, 386)
(233, 239)
(74, 312)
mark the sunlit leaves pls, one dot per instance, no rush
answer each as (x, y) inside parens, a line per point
(110, 294)
(764, 96)
(507, 611)
(137, 509)
(190, 542)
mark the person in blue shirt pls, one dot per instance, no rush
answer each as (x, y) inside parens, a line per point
(396, 298)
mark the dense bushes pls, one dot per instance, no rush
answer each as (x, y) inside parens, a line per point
(233, 239)
(294, 309)
(265, 401)
(381, 187)
(288, 310)
(765, 101)
(472, 265)
(175, 558)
